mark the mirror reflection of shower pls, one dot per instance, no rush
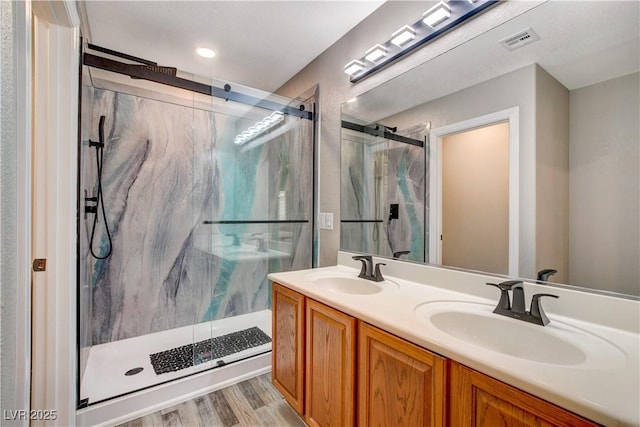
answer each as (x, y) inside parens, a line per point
(383, 195)
(95, 203)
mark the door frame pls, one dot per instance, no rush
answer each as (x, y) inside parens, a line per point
(54, 114)
(436, 136)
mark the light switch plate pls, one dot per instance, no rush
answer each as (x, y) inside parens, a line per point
(325, 221)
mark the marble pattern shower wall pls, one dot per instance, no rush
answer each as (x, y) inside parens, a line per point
(171, 176)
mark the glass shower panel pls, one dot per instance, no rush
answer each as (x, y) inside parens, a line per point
(178, 283)
(259, 218)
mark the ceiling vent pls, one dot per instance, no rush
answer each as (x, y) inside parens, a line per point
(522, 38)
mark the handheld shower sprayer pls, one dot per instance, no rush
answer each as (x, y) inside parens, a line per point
(101, 130)
(99, 198)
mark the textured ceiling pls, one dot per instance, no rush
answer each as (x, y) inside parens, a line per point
(260, 44)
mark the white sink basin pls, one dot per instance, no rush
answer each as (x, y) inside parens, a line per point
(558, 343)
(352, 284)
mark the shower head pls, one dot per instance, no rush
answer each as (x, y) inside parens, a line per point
(169, 71)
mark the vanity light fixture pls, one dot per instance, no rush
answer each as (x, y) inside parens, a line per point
(376, 53)
(437, 14)
(205, 52)
(442, 17)
(265, 125)
(353, 67)
(403, 36)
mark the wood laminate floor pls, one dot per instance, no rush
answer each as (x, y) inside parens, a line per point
(252, 403)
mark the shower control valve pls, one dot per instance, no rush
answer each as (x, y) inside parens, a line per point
(88, 208)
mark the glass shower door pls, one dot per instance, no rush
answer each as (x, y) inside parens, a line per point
(259, 219)
(197, 221)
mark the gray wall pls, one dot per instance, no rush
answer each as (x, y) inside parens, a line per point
(335, 88)
(604, 184)
(552, 176)
(8, 208)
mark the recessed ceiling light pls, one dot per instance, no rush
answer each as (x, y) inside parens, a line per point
(205, 52)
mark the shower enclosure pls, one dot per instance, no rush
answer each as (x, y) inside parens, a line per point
(190, 193)
(382, 202)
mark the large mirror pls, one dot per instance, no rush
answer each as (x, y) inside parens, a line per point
(519, 158)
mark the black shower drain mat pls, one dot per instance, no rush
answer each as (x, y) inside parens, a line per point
(210, 349)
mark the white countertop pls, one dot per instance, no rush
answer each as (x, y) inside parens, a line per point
(609, 396)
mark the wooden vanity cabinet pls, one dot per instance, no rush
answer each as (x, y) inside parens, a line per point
(317, 365)
(313, 358)
(399, 383)
(330, 366)
(287, 357)
(481, 401)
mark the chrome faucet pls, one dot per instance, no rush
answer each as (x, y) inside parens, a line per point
(368, 271)
(516, 308)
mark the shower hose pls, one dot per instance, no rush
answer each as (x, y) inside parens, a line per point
(100, 199)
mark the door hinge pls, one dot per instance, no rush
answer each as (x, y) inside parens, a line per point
(40, 264)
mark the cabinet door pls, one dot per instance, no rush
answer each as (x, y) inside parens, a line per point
(399, 384)
(330, 367)
(288, 345)
(479, 400)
